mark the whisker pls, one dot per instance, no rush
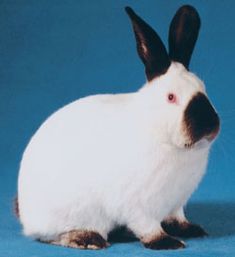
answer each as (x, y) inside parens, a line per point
(227, 150)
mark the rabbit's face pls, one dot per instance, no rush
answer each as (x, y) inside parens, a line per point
(183, 112)
(176, 98)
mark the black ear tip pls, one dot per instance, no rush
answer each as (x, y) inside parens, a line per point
(187, 7)
(130, 11)
(188, 10)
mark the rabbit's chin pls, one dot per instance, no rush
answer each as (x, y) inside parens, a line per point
(203, 143)
(187, 146)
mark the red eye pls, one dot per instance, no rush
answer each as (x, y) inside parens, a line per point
(171, 98)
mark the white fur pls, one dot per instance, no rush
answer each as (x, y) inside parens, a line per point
(106, 160)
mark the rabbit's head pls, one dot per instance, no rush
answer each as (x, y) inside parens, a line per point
(182, 111)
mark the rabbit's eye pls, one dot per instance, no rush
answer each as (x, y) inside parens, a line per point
(171, 98)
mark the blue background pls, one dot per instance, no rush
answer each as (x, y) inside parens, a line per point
(53, 52)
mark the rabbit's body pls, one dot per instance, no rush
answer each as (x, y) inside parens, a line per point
(100, 162)
(129, 159)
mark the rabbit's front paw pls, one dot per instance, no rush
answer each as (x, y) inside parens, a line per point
(183, 229)
(164, 242)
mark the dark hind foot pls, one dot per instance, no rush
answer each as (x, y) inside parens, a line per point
(81, 239)
(183, 229)
(164, 242)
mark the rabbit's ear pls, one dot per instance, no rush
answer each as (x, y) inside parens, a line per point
(149, 46)
(183, 34)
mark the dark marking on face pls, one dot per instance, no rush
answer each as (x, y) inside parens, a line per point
(183, 229)
(200, 119)
(164, 242)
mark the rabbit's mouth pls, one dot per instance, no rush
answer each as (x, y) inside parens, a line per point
(203, 143)
(188, 145)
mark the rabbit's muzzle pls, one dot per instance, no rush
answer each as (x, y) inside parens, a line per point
(200, 119)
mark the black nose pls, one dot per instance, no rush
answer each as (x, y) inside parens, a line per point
(200, 118)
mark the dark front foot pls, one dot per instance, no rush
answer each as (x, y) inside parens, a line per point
(183, 229)
(164, 242)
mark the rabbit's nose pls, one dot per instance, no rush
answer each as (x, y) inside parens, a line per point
(201, 119)
(213, 134)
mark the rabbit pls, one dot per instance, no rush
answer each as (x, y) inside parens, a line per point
(132, 160)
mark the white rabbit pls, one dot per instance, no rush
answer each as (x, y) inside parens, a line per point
(128, 159)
